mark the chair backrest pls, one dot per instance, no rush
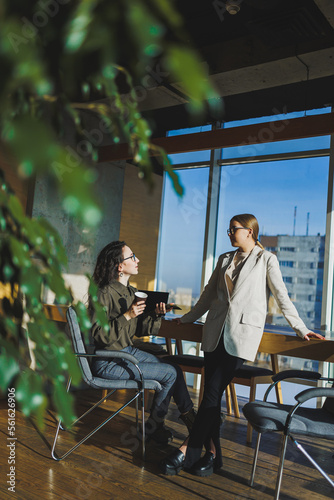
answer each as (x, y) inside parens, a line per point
(78, 343)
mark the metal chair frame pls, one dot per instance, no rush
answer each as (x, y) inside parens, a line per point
(138, 386)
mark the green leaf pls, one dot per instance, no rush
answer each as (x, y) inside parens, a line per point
(21, 61)
(9, 368)
(26, 133)
(30, 395)
(52, 243)
(83, 318)
(146, 30)
(76, 185)
(63, 402)
(170, 14)
(70, 363)
(78, 27)
(68, 169)
(55, 282)
(171, 172)
(20, 252)
(16, 208)
(31, 282)
(187, 69)
(98, 311)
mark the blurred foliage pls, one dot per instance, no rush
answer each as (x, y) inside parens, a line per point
(59, 59)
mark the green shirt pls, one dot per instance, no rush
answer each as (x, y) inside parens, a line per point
(117, 299)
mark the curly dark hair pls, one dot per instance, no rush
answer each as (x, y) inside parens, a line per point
(106, 268)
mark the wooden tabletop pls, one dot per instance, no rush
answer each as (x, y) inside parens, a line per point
(271, 343)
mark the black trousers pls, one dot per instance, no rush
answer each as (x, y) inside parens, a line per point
(220, 368)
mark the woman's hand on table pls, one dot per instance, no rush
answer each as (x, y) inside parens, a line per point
(312, 335)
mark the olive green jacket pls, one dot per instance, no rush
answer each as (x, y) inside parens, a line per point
(116, 299)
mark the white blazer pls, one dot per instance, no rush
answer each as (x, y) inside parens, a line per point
(242, 316)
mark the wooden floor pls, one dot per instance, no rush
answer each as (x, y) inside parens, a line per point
(109, 467)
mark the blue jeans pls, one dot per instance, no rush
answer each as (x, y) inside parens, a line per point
(169, 376)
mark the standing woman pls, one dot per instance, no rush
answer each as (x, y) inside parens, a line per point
(115, 265)
(236, 297)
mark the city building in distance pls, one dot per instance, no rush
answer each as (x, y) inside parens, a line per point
(301, 260)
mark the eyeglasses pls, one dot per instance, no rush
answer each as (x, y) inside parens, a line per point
(133, 257)
(232, 230)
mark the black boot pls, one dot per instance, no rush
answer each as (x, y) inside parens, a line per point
(189, 418)
(173, 464)
(206, 465)
(157, 432)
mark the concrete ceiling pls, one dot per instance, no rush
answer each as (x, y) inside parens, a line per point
(273, 55)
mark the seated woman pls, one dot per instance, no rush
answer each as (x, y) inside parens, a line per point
(115, 265)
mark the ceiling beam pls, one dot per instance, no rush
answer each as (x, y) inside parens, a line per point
(272, 131)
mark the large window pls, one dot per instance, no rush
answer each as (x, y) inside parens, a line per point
(288, 196)
(182, 227)
(285, 185)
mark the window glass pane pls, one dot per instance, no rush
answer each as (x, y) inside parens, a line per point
(289, 200)
(277, 115)
(194, 156)
(266, 148)
(268, 133)
(182, 238)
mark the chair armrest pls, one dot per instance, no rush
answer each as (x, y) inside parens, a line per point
(304, 396)
(109, 354)
(308, 375)
(117, 354)
(304, 374)
(314, 392)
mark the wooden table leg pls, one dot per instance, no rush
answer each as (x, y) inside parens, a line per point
(234, 400)
(228, 400)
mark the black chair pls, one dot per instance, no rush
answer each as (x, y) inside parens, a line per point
(293, 420)
(100, 383)
(191, 363)
(250, 376)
